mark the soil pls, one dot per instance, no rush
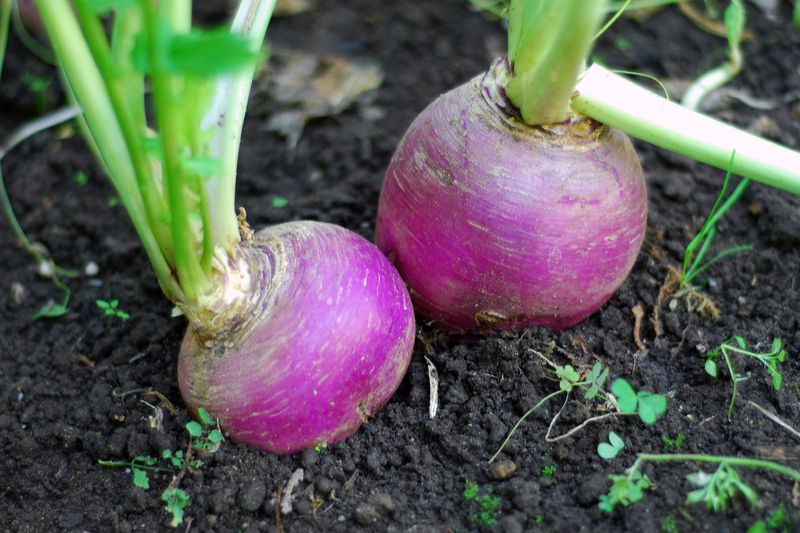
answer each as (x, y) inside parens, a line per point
(79, 389)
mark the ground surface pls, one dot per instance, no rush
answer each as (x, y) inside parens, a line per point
(73, 390)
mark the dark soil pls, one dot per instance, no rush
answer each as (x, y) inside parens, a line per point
(76, 390)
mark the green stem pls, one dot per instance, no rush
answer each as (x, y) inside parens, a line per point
(548, 43)
(191, 276)
(5, 18)
(154, 206)
(734, 380)
(744, 462)
(522, 419)
(622, 104)
(86, 83)
(227, 113)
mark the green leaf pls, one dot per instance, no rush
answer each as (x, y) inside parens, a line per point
(50, 310)
(140, 479)
(776, 344)
(651, 406)
(215, 436)
(609, 450)
(194, 428)
(616, 441)
(569, 377)
(103, 7)
(734, 19)
(626, 396)
(740, 341)
(203, 166)
(711, 368)
(102, 304)
(176, 500)
(208, 53)
(279, 202)
(205, 418)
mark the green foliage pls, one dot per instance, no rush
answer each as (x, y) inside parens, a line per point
(736, 345)
(111, 310)
(694, 257)
(139, 466)
(650, 406)
(669, 525)
(279, 202)
(625, 490)
(319, 448)
(609, 450)
(205, 434)
(548, 471)
(497, 8)
(796, 15)
(677, 442)
(717, 490)
(778, 521)
(487, 504)
(80, 178)
(176, 501)
(38, 86)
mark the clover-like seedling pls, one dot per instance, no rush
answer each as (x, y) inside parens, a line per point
(205, 435)
(650, 406)
(609, 450)
(111, 310)
(568, 377)
(488, 504)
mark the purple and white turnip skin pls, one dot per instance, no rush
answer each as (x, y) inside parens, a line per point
(321, 345)
(497, 225)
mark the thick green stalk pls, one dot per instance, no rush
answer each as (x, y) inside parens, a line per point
(86, 83)
(227, 115)
(132, 132)
(744, 462)
(548, 43)
(621, 104)
(192, 278)
(5, 19)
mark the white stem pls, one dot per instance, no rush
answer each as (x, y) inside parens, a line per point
(613, 100)
(226, 114)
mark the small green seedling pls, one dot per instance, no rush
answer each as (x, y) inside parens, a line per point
(548, 471)
(487, 504)
(80, 178)
(717, 490)
(38, 86)
(694, 261)
(319, 448)
(279, 202)
(205, 434)
(538, 519)
(650, 406)
(737, 345)
(669, 443)
(625, 490)
(669, 525)
(778, 521)
(111, 310)
(176, 501)
(647, 405)
(139, 466)
(609, 450)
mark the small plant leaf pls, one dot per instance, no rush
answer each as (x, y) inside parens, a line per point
(215, 436)
(740, 341)
(711, 368)
(625, 395)
(609, 450)
(568, 377)
(616, 441)
(140, 479)
(50, 310)
(651, 406)
(194, 428)
(205, 418)
(279, 202)
(208, 53)
(176, 501)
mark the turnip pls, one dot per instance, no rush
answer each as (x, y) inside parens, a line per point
(298, 333)
(512, 201)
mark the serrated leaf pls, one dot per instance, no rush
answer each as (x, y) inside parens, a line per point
(140, 479)
(711, 368)
(651, 406)
(194, 428)
(625, 395)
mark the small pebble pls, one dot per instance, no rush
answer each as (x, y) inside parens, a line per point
(366, 514)
(91, 269)
(502, 470)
